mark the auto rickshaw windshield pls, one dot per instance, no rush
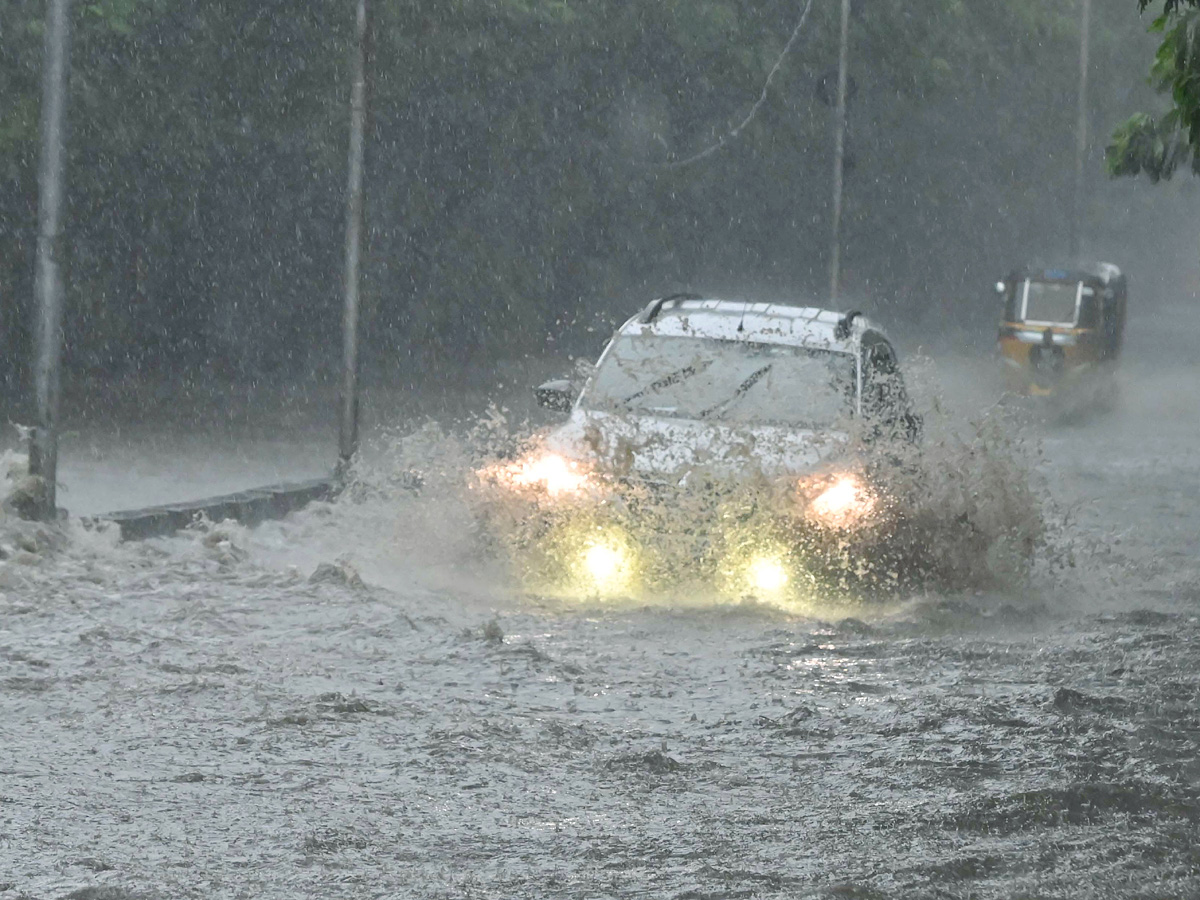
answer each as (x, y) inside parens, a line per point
(1048, 302)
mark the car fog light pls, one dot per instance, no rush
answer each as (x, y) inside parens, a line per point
(602, 562)
(607, 565)
(767, 574)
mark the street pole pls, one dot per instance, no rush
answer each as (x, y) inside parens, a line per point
(348, 431)
(839, 156)
(48, 338)
(1081, 130)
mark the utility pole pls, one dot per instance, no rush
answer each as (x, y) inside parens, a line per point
(48, 338)
(839, 156)
(348, 431)
(1081, 129)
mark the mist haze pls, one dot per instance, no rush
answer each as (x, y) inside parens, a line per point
(519, 181)
(375, 695)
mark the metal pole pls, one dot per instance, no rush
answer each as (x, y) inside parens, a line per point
(43, 444)
(348, 432)
(1081, 130)
(839, 155)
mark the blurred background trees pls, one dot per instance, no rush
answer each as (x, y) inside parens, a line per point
(1158, 144)
(519, 187)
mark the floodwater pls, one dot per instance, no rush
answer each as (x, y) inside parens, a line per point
(221, 715)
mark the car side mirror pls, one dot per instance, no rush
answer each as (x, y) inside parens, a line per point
(556, 395)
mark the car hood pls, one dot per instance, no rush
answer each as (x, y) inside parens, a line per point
(660, 447)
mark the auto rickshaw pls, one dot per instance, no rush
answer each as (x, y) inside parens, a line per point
(1062, 330)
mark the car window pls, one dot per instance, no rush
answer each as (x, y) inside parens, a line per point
(731, 382)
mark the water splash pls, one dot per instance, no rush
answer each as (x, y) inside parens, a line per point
(457, 506)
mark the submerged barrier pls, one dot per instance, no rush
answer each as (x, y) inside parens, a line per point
(248, 507)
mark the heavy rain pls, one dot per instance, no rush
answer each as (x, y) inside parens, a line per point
(634, 448)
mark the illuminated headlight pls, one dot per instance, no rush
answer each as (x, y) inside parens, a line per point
(607, 564)
(767, 574)
(556, 475)
(603, 563)
(759, 569)
(846, 502)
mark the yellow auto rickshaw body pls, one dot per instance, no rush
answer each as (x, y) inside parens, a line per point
(1062, 329)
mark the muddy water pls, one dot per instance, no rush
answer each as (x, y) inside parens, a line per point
(194, 718)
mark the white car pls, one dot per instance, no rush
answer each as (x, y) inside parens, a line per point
(723, 391)
(730, 386)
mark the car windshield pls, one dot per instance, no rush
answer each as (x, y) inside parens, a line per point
(1051, 302)
(731, 382)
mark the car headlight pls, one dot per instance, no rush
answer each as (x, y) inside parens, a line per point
(555, 474)
(842, 502)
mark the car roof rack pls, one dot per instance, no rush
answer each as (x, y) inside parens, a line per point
(656, 306)
(845, 323)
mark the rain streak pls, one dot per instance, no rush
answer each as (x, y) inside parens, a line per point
(531, 449)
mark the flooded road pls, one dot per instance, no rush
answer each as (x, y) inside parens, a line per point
(221, 715)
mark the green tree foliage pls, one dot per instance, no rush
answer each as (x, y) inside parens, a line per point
(1158, 145)
(519, 177)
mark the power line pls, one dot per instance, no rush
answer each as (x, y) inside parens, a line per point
(733, 134)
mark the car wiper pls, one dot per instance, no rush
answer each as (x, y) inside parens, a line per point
(669, 380)
(742, 389)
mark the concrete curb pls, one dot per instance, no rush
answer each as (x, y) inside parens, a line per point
(248, 507)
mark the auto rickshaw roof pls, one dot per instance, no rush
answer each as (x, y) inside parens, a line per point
(1105, 273)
